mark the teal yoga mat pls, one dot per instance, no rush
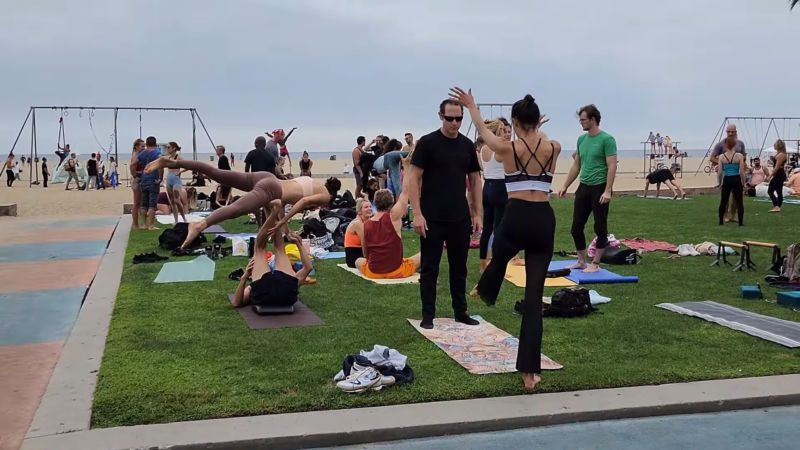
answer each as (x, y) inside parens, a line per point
(198, 269)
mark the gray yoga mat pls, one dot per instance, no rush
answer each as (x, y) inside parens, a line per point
(198, 269)
(214, 229)
(775, 330)
(302, 317)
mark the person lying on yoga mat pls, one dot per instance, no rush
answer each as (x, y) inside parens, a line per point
(276, 287)
(666, 176)
(382, 243)
(354, 235)
(261, 187)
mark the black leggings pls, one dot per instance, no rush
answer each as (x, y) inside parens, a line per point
(495, 198)
(775, 189)
(9, 177)
(732, 184)
(536, 237)
(587, 202)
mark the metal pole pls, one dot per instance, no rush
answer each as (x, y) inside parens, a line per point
(194, 136)
(116, 141)
(35, 147)
(771, 123)
(33, 141)
(708, 152)
(140, 123)
(21, 129)
(199, 119)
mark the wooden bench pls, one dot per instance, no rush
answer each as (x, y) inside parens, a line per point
(127, 208)
(8, 210)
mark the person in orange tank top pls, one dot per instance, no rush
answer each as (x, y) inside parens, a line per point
(354, 235)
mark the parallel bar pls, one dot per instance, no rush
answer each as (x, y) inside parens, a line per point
(122, 108)
(731, 244)
(760, 244)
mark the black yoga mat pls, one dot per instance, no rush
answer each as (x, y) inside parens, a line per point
(302, 317)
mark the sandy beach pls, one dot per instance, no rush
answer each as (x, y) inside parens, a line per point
(56, 202)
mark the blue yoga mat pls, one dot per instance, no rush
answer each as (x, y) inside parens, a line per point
(788, 201)
(198, 269)
(333, 255)
(52, 251)
(602, 276)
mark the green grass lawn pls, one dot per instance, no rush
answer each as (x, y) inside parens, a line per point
(179, 352)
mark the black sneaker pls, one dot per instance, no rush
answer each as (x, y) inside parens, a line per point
(219, 239)
(519, 307)
(236, 275)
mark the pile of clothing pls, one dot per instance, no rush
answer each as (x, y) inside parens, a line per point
(383, 366)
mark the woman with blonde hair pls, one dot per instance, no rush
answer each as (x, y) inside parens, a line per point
(136, 173)
(778, 177)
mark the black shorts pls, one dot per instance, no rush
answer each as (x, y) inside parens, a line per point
(275, 288)
(351, 254)
(660, 176)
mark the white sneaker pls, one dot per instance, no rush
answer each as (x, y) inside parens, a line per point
(353, 370)
(387, 380)
(359, 382)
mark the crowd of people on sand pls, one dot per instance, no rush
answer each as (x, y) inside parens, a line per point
(100, 175)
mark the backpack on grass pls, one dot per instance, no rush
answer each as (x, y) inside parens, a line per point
(791, 266)
(620, 256)
(569, 302)
(173, 238)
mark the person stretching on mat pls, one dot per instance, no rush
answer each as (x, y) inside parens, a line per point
(354, 235)
(174, 184)
(528, 166)
(383, 243)
(666, 176)
(596, 162)
(733, 167)
(261, 187)
(276, 287)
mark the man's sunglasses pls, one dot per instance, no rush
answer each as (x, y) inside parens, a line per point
(453, 119)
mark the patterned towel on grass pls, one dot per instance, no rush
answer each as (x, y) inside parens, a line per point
(648, 246)
(480, 349)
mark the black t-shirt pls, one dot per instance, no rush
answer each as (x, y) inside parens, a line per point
(44, 168)
(260, 160)
(446, 163)
(223, 163)
(91, 167)
(660, 176)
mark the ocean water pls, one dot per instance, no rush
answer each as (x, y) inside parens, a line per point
(346, 156)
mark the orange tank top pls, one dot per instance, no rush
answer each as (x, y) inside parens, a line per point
(385, 249)
(351, 240)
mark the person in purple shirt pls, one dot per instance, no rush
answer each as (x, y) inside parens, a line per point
(149, 183)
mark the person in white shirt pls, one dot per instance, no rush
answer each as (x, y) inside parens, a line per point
(346, 169)
(16, 170)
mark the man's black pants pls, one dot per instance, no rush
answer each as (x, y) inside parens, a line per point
(457, 236)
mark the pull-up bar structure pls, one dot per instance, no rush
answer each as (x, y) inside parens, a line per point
(34, 152)
(758, 128)
(491, 107)
(654, 158)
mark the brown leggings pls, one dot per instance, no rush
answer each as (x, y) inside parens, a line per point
(261, 188)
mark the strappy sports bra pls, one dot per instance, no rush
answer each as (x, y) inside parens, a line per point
(521, 180)
(730, 168)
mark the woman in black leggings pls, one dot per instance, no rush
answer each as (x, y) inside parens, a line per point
(495, 196)
(732, 180)
(528, 163)
(778, 177)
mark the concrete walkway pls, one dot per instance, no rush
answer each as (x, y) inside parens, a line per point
(45, 268)
(773, 429)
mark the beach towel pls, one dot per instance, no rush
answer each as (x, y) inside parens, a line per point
(169, 220)
(648, 246)
(480, 349)
(516, 275)
(410, 280)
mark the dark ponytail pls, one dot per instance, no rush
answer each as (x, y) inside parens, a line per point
(526, 112)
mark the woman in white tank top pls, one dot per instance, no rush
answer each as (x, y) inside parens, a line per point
(495, 196)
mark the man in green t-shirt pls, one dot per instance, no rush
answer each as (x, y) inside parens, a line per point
(596, 162)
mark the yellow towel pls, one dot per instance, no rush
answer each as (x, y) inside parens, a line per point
(516, 275)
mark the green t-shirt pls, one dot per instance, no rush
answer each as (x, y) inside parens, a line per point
(593, 151)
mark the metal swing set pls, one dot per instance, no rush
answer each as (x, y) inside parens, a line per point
(90, 110)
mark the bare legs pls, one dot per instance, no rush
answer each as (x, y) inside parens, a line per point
(137, 200)
(176, 203)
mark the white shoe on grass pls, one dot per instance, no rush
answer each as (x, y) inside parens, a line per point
(359, 382)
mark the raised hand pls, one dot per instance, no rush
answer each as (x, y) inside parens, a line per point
(465, 99)
(543, 120)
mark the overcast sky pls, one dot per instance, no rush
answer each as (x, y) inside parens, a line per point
(337, 69)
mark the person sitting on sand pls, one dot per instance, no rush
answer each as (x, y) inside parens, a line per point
(382, 243)
(354, 235)
(277, 287)
(666, 176)
(261, 187)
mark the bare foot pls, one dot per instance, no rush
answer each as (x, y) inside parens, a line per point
(775, 209)
(683, 197)
(726, 220)
(531, 380)
(194, 230)
(593, 267)
(675, 197)
(517, 261)
(577, 266)
(152, 228)
(474, 294)
(161, 163)
(135, 227)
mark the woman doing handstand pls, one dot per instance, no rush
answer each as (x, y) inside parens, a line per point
(528, 173)
(733, 168)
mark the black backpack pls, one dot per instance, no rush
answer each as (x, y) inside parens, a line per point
(620, 256)
(174, 237)
(569, 302)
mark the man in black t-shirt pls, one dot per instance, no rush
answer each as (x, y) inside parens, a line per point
(222, 163)
(443, 164)
(259, 159)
